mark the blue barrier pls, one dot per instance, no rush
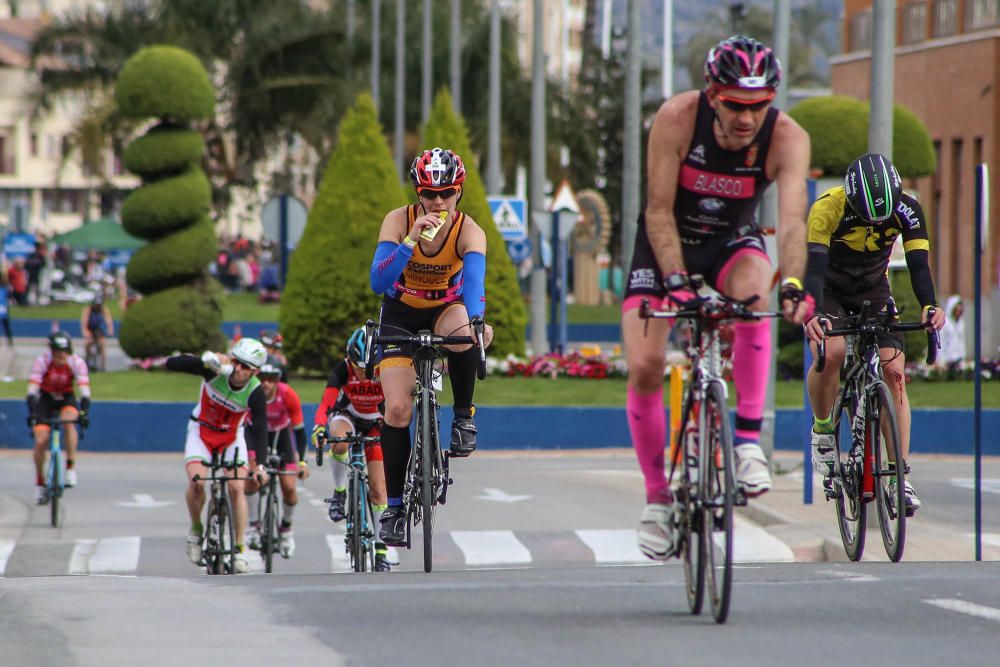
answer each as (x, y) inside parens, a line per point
(160, 427)
(24, 328)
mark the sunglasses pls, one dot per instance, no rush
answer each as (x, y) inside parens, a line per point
(443, 193)
(738, 105)
(239, 364)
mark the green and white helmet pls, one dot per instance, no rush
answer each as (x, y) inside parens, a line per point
(250, 351)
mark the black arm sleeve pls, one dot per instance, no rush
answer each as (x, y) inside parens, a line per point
(85, 404)
(920, 277)
(32, 405)
(300, 442)
(256, 432)
(819, 258)
(338, 375)
(188, 363)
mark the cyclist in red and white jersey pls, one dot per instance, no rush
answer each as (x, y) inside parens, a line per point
(353, 404)
(284, 412)
(50, 391)
(230, 392)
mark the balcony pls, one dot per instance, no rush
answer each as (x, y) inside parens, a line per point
(981, 14)
(860, 31)
(914, 19)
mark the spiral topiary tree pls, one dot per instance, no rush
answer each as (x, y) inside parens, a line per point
(328, 293)
(504, 305)
(182, 305)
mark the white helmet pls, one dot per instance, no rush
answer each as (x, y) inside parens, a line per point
(250, 351)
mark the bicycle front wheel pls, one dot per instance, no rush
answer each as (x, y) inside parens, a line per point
(429, 451)
(227, 533)
(55, 486)
(212, 553)
(852, 513)
(354, 528)
(692, 546)
(718, 490)
(269, 540)
(889, 473)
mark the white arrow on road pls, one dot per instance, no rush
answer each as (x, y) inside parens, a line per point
(499, 496)
(145, 501)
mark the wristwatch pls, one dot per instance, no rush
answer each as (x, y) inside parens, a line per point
(676, 280)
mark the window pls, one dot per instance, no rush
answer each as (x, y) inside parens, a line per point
(980, 14)
(33, 143)
(957, 167)
(914, 22)
(945, 18)
(861, 31)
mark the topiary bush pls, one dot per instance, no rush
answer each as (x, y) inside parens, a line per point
(838, 130)
(182, 306)
(504, 306)
(914, 342)
(328, 293)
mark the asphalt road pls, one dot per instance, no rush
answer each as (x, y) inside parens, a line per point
(535, 565)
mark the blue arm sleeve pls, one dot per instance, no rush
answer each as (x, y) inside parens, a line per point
(474, 276)
(388, 264)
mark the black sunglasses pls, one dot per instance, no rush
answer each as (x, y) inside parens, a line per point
(237, 362)
(739, 106)
(444, 193)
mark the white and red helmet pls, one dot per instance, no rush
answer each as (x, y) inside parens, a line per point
(437, 168)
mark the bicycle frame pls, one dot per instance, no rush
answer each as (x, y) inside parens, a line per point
(215, 556)
(359, 536)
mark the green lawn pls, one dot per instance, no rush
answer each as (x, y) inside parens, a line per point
(163, 386)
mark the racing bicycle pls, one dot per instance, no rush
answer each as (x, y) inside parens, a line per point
(361, 531)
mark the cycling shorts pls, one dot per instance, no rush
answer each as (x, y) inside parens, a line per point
(398, 319)
(285, 449)
(710, 258)
(838, 305)
(50, 405)
(195, 448)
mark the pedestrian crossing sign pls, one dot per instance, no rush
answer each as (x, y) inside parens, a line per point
(508, 215)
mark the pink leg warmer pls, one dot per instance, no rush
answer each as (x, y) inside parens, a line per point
(648, 425)
(751, 371)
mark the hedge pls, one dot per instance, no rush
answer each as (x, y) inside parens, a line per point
(166, 82)
(504, 306)
(328, 293)
(838, 130)
(162, 149)
(166, 205)
(180, 319)
(174, 260)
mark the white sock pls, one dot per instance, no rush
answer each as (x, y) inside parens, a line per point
(339, 471)
(288, 511)
(377, 516)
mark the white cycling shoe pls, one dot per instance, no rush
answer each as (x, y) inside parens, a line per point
(752, 471)
(823, 453)
(41, 495)
(657, 533)
(286, 543)
(253, 536)
(70, 479)
(240, 565)
(194, 548)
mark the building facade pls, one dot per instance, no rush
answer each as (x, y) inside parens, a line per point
(947, 73)
(563, 39)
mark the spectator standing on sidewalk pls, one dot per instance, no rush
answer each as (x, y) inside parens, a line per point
(5, 303)
(34, 265)
(953, 334)
(18, 279)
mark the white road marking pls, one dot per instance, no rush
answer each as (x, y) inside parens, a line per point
(499, 496)
(989, 539)
(6, 549)
(115, 555)
(612, 546)
(751, 543)
(145, 501)
(970, 608)
(989, 485)
(491, 547)
(340, 561)
(80, 558)
(318, 502)
(846, 575)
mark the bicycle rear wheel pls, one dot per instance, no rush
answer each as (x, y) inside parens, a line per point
(54, 486)
(890, 498)
(692, 547)
(212, 553)
(718, 491)
(429, 450)
(852, 514)
(354, 528)
(269, 540)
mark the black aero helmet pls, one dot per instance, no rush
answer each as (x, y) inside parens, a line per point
(60, 340)
(271, 368)
(742, 62)
(873, 187)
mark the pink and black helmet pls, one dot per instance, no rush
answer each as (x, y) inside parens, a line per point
(742, 62)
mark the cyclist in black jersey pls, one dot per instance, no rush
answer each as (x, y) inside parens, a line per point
(852, 229)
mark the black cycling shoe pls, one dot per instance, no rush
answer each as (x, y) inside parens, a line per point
(392, 529)
(337, 512)
(382, 563)
(463, 436)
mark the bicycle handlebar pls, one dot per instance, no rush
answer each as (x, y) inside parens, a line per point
(707, 308)
(877, 325)
(426, 338)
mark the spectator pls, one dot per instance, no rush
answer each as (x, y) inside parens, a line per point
(34, 265)
(18, 279)
(953, 334)
(96, 325)
(5, 303)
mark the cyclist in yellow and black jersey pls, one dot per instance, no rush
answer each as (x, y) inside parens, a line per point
(852, 229)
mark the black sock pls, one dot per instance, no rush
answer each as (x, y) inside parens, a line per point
(462, 371)
(395, 453)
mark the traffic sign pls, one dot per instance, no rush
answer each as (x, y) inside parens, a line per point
(509, 217)
(519, 250)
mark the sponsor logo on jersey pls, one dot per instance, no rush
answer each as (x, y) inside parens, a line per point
(909, 214)
(433, 269)
(711, 204)
(719, 185)
(642, 279)
(752, 155)
(698, 154)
